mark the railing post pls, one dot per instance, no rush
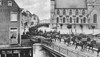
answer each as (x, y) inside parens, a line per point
(77, 54)
(67, 52)
(53, 46)
(59, 48)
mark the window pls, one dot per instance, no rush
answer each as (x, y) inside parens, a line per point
(70, 12)
(83, 12)
(77, 20)
(76, 11)
(64, 12)
(13, 36)
(0, 2)
(57, 20)
(95, 18)
(13, 16)
(84, 20)
(58, 12)
(9, 3)
(64, 20)
(70, 19)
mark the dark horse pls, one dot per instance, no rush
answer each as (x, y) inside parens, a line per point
(81, 44)
(92, 44)
(68, 41)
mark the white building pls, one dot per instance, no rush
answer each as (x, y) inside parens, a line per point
(77, 13)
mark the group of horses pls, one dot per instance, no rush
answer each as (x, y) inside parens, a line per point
(87, 44)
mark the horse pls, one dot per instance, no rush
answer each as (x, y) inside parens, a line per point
(68, 40)
(80, 43)
(92, 44)
(73, 40)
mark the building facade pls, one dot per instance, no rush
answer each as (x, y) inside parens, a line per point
(94, 13)
(9, 22)
(76, 13)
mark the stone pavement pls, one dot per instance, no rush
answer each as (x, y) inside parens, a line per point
(72, 48)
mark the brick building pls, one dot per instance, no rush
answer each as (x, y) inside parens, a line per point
(9, 22)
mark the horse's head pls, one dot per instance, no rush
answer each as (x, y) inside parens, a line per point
(93, 42)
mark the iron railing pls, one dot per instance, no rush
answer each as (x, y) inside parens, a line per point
(64, 51)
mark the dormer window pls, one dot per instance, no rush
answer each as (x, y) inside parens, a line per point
(83, 12)
(58, 12)
(70, 12)
(0, 2)
(9, 3)
(76, 11)
(64, 12)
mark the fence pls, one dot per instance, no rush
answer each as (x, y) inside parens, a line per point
(65, 51)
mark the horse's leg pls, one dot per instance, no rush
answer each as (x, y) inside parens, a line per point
(97, 53)
(76, 46)
(64, 42)
(82, 46)
(67, 43)
(89, 48)
(92, 49)
(73, 43)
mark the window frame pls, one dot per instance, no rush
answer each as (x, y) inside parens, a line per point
(57, 20)
(11, 17)
(77, 20)
(84, 20)
(76, 11)
(64, 12)
(58, 12)
(95, 18)
(70, 19)
(64, 20)
(83, 12)
(70, 12)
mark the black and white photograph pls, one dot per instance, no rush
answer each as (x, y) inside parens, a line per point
(49, 28)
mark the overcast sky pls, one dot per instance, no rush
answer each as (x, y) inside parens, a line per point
(38, 7)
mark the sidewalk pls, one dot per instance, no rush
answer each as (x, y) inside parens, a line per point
(72, 48)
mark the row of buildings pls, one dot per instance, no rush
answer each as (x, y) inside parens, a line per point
(14, 21)
(79, 14)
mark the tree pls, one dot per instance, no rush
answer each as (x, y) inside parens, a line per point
(81, 27)
(93, 27)
(69, 27)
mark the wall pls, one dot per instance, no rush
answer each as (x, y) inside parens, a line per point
(5, 23)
